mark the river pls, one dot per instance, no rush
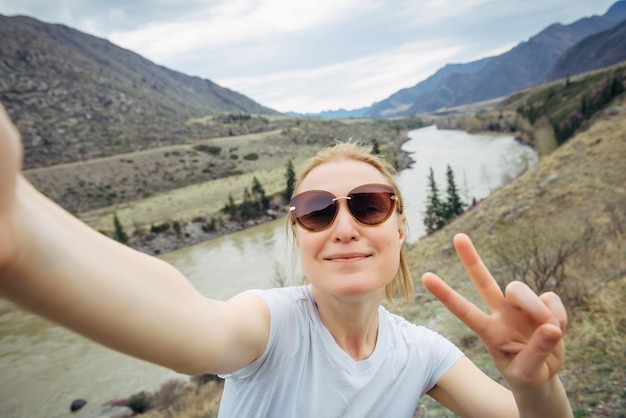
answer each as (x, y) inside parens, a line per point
(44, 368)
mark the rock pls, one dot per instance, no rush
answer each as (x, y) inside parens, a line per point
(614, 110)
(107, 412)
(77, 404)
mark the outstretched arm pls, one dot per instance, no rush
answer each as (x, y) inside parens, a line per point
(55, 266)
(523, 334)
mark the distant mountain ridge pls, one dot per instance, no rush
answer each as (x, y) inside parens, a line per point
(557, 51)
(64, 88)
(596, 51)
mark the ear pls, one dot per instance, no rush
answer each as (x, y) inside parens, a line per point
(402, 229)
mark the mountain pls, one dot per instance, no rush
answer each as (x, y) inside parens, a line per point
(68, 90)
(333, 114)
(528, 64)
(596, 51)
(398, 102)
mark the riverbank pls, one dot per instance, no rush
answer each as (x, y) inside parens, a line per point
(174, 235)
(171, 236)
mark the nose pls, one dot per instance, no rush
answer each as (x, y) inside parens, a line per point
(345, 227)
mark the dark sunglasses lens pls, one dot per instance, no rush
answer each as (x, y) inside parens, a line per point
(371, 205)
(314, 210)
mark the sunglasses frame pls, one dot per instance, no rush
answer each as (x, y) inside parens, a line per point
(335, 199)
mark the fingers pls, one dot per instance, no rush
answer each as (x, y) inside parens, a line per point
(520, 296)
(479, 274)
(460, 307)
(554, 303)
(531, 361)
(544, 309)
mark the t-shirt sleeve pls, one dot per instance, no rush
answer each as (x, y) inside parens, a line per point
(442, 354)
(282, 337)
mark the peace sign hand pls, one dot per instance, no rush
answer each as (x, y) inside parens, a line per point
(523, 333)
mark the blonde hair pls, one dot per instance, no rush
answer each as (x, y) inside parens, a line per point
(402, 284)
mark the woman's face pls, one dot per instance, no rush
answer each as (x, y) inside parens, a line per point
(349, 259)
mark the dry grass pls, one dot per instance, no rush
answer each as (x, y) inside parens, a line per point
(193, 401)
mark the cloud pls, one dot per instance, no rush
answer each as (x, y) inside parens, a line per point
(233, 24)
(362, 81)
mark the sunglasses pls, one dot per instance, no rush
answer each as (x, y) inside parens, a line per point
(369, 204)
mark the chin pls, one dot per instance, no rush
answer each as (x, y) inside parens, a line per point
(355, 290)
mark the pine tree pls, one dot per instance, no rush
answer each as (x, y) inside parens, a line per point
(434, 208)
(375, 147)
(248, 209)
(230, 208)
(118, 233)
(258, 194)
(453, 206)
(290, 176)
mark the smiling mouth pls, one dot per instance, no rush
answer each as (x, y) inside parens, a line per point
(347, 257)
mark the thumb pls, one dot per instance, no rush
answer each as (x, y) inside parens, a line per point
(530, 362)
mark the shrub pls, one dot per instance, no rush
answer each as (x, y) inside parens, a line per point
(157, 229)
(209, 149)
(139, 402)
(543, 254)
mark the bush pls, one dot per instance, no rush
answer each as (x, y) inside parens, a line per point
(157, 229)
(139, 402)
(209, 149)
(543, 254)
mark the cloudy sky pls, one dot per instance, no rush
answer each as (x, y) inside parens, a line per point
(311, 55)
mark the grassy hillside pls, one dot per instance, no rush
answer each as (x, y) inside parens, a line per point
(570, 210)
(544, 116)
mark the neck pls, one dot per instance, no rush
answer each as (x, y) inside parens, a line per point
(353, 324)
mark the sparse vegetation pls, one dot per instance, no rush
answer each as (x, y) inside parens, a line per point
(555, 227)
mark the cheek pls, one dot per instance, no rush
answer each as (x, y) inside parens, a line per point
(308, 244)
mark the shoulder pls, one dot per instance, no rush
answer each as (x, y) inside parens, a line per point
(283, 295)
(287, 305)
(425, 342)
(401, 327)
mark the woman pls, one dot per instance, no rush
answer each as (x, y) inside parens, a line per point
(326, 349)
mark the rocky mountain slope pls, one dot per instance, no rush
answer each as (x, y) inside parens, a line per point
(595, 51)
(526, 65)
(74, 96)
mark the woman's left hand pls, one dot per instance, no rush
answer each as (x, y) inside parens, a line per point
(524, 331)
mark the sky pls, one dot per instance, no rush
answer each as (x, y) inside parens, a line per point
(311, 55)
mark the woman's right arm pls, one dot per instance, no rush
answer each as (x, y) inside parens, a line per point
(56, 266)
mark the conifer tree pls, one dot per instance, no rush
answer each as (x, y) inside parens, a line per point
(118, 233)
(375, 147)
(433, 219)
(290, 176)
(258, 194)
(248, 210)
(230, 208)
(453, 206)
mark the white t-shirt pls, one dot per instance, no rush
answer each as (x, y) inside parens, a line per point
(304, 373)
